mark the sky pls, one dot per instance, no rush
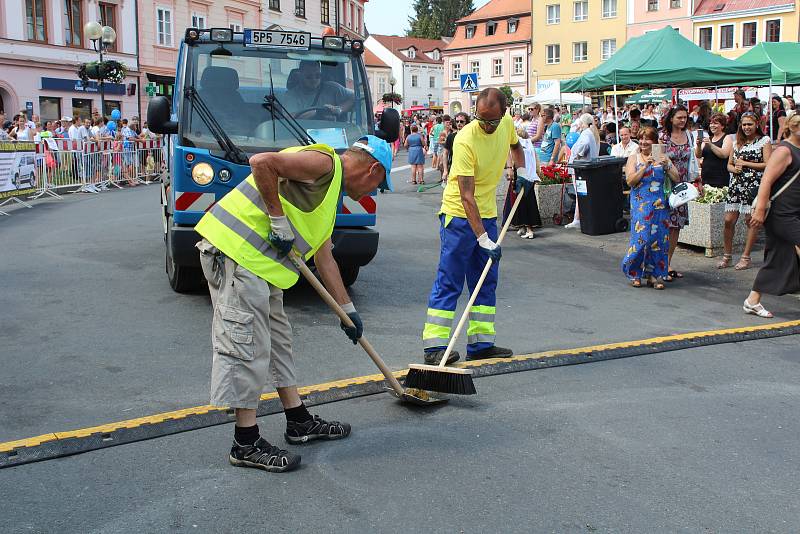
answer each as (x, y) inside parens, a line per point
(390, 17)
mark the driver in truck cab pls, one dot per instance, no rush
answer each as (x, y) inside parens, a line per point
(308, 97)
(288, 202)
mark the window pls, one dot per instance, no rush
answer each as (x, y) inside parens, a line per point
(325, 11)
(475, 66)
(235, 26)
(470, 32)
(49, 108)
(512, 25)
(73, 25)
(300, 8)
(81, 108)
(275, 5)
(412, 53)
(415, 102)
(652, 5)
(432, 82)
(580, 10)
(609, 8)
(580, 51)
(455, 71)
(517, 62)
(381, 85)
(352, 16)
(358, 20)
(554, 14)
(164, 26)
(726, 37)
(436, 55)
(414, 80)
(491, 28)
(36, 20)
(706, 35)
(674, 4)
(108, 18)
(607, 48)
(749, 33)
(497, 67)
(773, 31)
(553, 54)
(198, 21)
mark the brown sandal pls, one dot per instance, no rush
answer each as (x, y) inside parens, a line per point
(744, 263)
(725, 262)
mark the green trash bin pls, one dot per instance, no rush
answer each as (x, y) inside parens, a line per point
(598, 186)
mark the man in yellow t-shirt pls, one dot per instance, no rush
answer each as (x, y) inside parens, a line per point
(468, 230)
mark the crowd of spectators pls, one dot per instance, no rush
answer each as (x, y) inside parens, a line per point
(93, 128)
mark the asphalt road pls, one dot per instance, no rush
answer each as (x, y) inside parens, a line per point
(701, 439)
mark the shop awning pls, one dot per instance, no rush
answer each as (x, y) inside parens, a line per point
(664, 58)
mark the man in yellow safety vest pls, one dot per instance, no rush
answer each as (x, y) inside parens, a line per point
(289, 201)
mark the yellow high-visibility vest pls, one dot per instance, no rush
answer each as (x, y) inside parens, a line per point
(238, 225)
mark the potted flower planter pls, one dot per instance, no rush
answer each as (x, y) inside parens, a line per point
(548, 198)
(706, 228)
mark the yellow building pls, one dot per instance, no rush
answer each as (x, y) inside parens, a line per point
(571, 37)
(731, 27)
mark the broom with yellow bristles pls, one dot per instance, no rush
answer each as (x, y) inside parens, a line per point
(455, 380)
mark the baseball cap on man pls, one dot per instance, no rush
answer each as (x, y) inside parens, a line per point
(380, 150)
(66, 118)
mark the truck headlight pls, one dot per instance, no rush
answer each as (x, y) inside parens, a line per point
(202, 174)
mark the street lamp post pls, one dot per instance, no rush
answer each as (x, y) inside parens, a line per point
(101, 37)
(392, 81)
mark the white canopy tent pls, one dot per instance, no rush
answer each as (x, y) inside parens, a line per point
(553, 95)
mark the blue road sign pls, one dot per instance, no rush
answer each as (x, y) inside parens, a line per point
(469, 82)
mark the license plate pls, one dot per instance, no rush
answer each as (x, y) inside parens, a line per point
(277, 39)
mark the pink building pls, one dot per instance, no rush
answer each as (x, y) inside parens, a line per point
(648, 15)
(41, 46)
(493, 42)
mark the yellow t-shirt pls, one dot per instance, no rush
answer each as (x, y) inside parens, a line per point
(483, 156)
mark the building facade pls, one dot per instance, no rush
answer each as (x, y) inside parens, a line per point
(569, 38)
(742, 24)
(350, 17)
(379, 76)
(41, 46)
(494, 42)
(649, 15)
(416, 64)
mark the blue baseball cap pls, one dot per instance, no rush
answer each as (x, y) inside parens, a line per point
(380, 150)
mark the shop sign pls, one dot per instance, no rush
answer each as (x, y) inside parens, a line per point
(78, 86)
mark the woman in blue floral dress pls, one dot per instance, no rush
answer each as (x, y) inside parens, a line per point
(647, 256)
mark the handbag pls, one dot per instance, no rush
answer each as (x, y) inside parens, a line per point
(776, 195)
(694, 166)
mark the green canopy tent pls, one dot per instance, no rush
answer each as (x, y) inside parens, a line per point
(664, 58)
(784, 59)
(650, 96)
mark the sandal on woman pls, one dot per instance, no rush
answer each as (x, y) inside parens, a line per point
(672, 275)
(656, 283)
(756, 309)
(744, 263)
(636, 283)
(725, 262)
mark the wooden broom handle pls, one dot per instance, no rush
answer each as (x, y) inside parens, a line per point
(329, 300)
(475, 291)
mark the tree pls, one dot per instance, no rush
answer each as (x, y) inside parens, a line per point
(506, 90)
(434, 19)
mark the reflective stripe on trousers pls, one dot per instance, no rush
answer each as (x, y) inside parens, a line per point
(437, 328)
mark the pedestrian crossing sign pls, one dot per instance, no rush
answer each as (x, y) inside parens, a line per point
(469, 82)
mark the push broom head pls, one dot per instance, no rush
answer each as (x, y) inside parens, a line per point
(442, 379)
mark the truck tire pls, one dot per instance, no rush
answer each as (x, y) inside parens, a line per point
(181, 279)
(349, 274)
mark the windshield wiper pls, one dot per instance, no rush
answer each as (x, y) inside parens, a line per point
(232, 152)
(279, 112)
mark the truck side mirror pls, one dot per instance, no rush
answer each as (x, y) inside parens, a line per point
(158, 116)
(389, 126)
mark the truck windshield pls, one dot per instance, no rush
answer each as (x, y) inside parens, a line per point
(324, 90)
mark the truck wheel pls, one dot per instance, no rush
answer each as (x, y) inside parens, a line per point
(181, 279)
(349, 274)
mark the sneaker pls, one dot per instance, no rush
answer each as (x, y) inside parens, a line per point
(262, 455)
(521, 232)
(490, 352)
(573, 224)
(433, 358)
(316, 428)
(529, 235)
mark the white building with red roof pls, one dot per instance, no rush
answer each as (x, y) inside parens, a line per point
(416, 65)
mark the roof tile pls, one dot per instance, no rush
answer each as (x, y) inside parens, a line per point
(723, 7)
(501, 37)
(397, 44)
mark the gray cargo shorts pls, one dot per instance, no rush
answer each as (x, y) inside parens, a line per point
(250, 333)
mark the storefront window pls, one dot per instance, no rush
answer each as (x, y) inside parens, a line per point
(112, 105)
(49, 108)
(81, 108)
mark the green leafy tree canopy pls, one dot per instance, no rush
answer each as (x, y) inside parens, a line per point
(506, 90)
(434, 19)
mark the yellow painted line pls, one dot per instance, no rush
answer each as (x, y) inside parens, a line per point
(305, 390)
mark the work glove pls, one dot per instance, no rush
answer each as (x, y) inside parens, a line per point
(491, 248)
(281, 236)
(353, 332)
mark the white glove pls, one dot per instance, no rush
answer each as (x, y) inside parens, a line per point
(281, 228)
(485, 242)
